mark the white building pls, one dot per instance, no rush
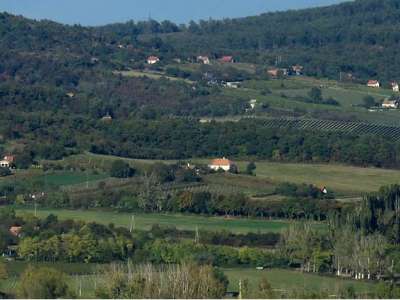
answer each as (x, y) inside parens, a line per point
(390, 104)
(253, 103)
(221, 164)
(152, 60)
(374, 84)
(203, 59)
(395, 87)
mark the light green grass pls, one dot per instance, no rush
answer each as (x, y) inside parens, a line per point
(348, 181)
(284, 280)
(344, 180)
(183, 222)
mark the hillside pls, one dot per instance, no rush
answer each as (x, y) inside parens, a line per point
(69, 89)
(359, 37)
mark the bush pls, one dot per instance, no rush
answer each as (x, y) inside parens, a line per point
(121, 169)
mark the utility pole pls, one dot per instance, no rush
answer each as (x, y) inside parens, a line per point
(197, 236)
(132, 226)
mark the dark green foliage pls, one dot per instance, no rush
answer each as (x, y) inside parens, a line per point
(315, 94)
(121, 169)
(250, 168)
(4, 172)
(369, 101)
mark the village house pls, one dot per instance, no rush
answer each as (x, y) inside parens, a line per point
(373, 84)
(152, 60)
(277, 72)
(107, 118)
(395, 87)
(227, 59)
(298, 70)
(7, 161)
(233, 85)
(15, 231)
(390, 103)
(221, 164)
(253, 103)
(70, 95)
(203, 59)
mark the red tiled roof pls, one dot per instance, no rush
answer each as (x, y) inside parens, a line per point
(221, 162)
(227, 58)
(15, 230)
(373, 81)
(9, 158)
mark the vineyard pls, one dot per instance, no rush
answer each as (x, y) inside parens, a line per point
(356, 128)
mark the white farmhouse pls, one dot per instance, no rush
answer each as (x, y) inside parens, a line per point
(221, 164)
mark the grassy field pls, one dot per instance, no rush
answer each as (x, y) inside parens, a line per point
(70, 178)
(283, 280)
(187, 222)
(347, 181)
(344, 180)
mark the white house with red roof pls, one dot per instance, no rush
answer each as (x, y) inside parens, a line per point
(221, 164)
(203, 59)
(374, 84)
(152, 60)
(7, 161)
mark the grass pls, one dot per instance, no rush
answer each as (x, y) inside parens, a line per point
(183, 222)
(152, 75)
(344, 180)
(70, 178)
(284, 280)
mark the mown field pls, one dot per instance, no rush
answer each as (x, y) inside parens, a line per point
(284, 280)
(184, 222)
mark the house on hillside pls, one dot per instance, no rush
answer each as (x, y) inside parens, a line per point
(203, 59)
(232, 84)
(15, 231)
(107, 118)
(7, 161)
(390, 104)
(275, 72)
(253, 103)
(395, 87)
(221, 164)
(297, 70)
(373, 84)
(227, 59)
(152, 60)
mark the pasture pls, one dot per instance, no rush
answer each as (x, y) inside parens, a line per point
(343, 180)
(184, 222)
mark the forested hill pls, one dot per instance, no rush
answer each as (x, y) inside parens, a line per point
(361, 37)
